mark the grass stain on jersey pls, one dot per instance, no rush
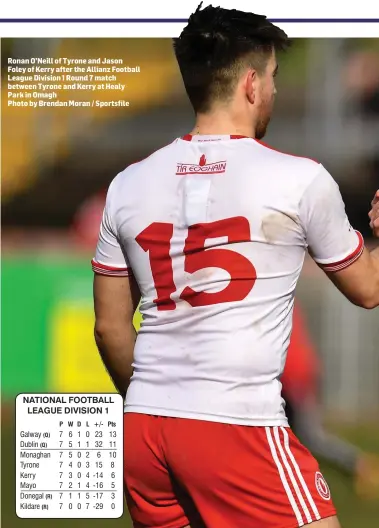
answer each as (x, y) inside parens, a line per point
(276, 226)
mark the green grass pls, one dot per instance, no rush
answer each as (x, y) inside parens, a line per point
(352, 512)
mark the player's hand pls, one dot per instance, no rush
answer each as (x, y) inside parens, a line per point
(374, 215)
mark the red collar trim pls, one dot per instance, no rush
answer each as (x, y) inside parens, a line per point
(188, 137)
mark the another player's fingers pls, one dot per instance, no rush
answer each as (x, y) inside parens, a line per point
(374, 219)
(374, 211)
(374, 215)
(375, 227)
(376, 198)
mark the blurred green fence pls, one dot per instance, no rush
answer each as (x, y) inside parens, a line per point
(47, 327)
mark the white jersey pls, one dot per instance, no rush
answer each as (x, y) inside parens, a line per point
(215, 230)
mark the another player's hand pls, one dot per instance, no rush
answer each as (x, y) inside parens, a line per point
(374, 215)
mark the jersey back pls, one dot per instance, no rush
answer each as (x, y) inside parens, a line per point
(215, 230)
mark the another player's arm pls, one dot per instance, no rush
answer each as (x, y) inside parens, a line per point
(336, 247)
(115, 300)
(116, 297)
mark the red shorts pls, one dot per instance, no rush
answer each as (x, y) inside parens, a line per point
(181, 472)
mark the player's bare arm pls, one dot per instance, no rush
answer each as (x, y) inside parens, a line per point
(360, 281)
(115, 301)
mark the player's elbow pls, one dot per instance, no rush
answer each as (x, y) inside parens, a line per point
(101, 332)
(109, 331)
(370, 303)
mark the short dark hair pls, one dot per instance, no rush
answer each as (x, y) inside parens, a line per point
(216, 45)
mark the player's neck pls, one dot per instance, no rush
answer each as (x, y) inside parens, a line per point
(221, 124)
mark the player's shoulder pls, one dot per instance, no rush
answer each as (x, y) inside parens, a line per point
(294, 172)
(138, 173)
(286, 158)
(132, 172)
(152, 159)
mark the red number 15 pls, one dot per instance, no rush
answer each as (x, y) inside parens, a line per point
(156, 239)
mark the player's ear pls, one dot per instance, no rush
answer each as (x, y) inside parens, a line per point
(251, 85)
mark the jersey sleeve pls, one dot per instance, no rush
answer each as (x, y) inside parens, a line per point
(110, 259)
(332, 242)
